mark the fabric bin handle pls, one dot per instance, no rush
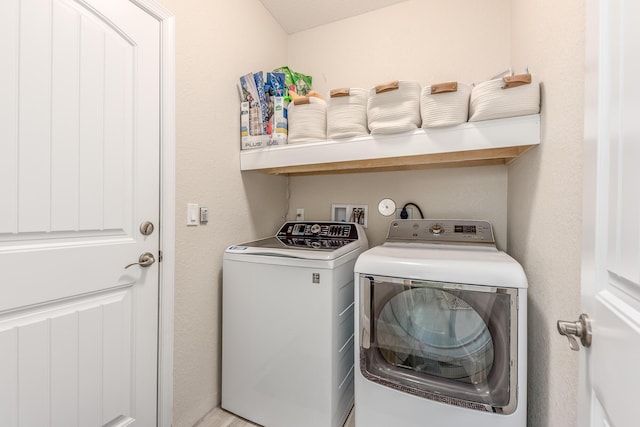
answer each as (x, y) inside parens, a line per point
(302, 100)
(336, 93)
(517, 80)
(386, 87)
(444, 87)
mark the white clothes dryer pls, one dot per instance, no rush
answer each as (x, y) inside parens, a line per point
(441, 329)
(287, 325)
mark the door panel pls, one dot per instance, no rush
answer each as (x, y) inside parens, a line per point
(611, 216)
(77, 349)
(65, 140)
(613, 367)
(9, 117)
(69, 358)
(79, 107)
(84, 93)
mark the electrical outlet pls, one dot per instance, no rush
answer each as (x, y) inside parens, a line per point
(300, 214)
(409, 212)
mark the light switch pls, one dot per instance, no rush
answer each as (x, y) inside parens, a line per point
(193, 212)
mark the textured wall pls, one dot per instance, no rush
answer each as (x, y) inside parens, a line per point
(545, 201)
(427, 41)
(424, 40)
(216, 42)
(471, 193)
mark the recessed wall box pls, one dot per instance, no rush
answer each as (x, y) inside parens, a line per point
(350, 213)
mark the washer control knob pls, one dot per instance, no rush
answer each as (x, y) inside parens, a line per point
(315, 228)
(436, 229)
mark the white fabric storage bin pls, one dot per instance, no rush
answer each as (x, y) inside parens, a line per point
(505, 97)
(307, 120)
(394, 107)
(444, 104)
(347, 113)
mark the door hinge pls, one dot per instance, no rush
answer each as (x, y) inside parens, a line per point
(159, 256)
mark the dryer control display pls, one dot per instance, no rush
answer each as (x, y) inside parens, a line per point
(469, 229)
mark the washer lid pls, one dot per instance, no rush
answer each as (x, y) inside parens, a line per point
(319, 240)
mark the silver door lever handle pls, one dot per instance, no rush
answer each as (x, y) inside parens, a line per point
(145, 260)
(580, 329)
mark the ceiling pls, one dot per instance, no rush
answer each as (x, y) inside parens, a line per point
(300, 15)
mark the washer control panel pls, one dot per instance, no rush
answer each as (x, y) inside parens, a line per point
(441, 231)
(317, 235)
(318, 229)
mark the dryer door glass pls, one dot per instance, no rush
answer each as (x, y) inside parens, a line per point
(432, 331)
(438, 340)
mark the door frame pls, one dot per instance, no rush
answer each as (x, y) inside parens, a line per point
(167, 208)
(589, 190)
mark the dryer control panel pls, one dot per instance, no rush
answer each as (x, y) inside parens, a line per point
(441, 231)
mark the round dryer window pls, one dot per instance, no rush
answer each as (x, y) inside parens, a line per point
(450, 342)
(434, 332)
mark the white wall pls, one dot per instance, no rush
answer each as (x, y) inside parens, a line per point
(545, 201)
(428, 41)
(471, 193)
(216, 42)
(423, 40)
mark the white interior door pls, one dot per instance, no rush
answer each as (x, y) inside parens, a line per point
(611, 240)
(79, 168)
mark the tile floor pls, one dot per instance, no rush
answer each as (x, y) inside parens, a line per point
(221, 418)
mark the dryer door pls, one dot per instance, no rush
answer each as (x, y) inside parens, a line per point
(455, 343)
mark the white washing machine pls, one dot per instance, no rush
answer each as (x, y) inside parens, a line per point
(441, 329)
(287, 325)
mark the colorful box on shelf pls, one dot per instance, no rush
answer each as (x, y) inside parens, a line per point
(277, 128)
(279, 123)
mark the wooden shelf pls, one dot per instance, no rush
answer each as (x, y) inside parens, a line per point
(491, 142)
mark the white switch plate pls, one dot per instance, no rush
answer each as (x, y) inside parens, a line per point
(193, 213)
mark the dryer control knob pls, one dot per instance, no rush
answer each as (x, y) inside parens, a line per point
(436, 229)
(315, 228)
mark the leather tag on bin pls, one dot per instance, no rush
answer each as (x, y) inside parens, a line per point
(386, 87)
(444, 87)
(517, 80)
(336, 93)
(302, 100)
